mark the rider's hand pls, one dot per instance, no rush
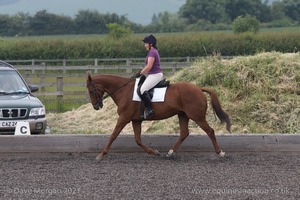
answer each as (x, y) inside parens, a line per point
(137, 75)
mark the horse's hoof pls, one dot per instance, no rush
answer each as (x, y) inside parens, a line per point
(170, 154)
(157, 152)
(99, 157)
(221, 154)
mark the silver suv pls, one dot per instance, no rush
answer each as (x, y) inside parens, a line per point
(17, 103)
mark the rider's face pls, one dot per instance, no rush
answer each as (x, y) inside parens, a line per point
(147, 46)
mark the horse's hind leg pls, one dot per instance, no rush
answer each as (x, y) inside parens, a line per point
(211, 134)
(184, 132)
(137, 128)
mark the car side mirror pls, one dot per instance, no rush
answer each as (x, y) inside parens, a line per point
(34, 88)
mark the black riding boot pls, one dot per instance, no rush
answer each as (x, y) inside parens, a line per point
(147, 102)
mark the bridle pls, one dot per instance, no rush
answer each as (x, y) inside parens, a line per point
(99, 99)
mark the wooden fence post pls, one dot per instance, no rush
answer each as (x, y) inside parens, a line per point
(174, 66)
(27, 77)
(43, 83)
(33, 65)
(188, 60)
(96, 64)
(87, 96)
(59, 85)
(128, 66)
(43, 89)
(64, 66)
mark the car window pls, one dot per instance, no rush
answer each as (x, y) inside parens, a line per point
(11, 82)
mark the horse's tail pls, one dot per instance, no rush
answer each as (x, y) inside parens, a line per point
(222, 115)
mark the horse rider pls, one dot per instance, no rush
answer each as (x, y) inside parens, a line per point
(152, 71)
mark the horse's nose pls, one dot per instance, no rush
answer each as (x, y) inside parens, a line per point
(96, 106)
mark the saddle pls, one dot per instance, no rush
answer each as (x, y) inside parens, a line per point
(161, 84)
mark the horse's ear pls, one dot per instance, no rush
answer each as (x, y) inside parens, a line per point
(89, 77)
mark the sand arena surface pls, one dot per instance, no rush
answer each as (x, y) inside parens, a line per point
(138, 175)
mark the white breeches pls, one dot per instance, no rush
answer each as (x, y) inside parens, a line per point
(151, 81)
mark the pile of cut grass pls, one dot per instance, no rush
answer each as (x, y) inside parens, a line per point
(260, 92)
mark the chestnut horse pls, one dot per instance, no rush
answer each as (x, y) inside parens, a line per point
(183, 99)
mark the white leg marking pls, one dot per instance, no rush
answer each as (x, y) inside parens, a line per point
(222, 154)
(170, 153)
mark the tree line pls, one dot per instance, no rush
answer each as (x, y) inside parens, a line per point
(194, 15)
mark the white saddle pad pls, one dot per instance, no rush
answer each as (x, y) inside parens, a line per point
(158, 95)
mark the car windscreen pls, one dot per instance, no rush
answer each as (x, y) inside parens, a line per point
(11, 82)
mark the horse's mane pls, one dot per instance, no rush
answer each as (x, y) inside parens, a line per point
(110, 78)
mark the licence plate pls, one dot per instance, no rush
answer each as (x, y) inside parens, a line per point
(8, 124)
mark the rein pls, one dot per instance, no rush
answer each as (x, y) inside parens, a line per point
(109, 94)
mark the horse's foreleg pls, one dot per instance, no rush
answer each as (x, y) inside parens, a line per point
(184, 132)
(118, 128)
(137, 128)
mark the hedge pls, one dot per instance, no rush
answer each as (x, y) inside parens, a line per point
(169, 45)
